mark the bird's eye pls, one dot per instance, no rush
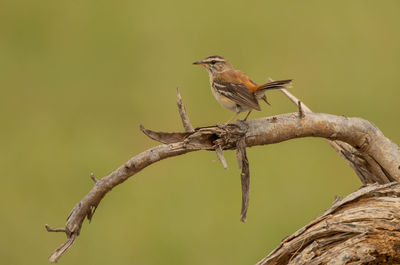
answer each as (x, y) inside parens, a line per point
(213, 61)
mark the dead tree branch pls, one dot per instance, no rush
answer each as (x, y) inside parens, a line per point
(182, 112)
(380, 158)
(366, 169)
(362, 228)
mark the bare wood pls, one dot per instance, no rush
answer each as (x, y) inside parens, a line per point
(182, 112)
(301, 112)
(189, 128)
(366, 169)
(63, 248)
(359, 133)
(93, 177)
(294, 99)
(244, 177)
(50, 229)
(360, 228)
(362, 135)
(220, 156)
(86, 207)
(374, 157)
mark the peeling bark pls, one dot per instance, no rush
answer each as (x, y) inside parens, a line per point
(363, 227)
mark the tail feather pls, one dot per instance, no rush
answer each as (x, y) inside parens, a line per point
(275, 84)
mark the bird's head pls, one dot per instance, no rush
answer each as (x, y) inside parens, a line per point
(215, 64)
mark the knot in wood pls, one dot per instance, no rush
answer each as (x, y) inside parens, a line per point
(228, 135)
(223, 135)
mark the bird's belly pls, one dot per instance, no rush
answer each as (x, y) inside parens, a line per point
(224, 101)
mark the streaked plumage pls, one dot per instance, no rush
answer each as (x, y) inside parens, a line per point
(233, 89)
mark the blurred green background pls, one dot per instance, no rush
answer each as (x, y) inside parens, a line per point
(78, 77)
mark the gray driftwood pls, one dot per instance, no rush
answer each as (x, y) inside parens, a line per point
(362, 228)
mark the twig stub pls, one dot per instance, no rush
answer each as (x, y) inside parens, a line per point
(221, 156)
(233, 136)
(93, 177)
(301, 112)
(50, 229)
(182, 112)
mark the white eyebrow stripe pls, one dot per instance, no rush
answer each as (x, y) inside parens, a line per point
(214, 59)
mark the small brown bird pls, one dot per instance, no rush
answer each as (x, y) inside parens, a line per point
(233, 89)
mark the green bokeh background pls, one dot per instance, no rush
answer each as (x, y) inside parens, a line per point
(78, 77)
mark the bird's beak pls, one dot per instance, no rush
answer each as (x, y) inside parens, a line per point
(198, 62)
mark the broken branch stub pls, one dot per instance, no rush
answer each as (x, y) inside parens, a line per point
(244, 177)
(182, 112)
(373, 157)
(368, 170)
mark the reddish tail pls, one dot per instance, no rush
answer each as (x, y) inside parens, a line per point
(275, 84)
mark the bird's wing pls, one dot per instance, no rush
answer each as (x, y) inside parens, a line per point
(236, 76)
(233, 88)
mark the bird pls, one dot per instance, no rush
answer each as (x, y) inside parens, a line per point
(233, 89)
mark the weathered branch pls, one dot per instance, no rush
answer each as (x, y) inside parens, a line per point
(93, 177)
(362, 228)
(187, 125)
(182, 112)
(366, 169)
(220, 156)
(244, 176)
(380, 157)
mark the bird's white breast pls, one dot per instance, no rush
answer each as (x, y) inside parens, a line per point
(224, 101)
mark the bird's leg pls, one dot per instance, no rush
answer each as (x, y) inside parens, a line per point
(233, 117)
(248, 114)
